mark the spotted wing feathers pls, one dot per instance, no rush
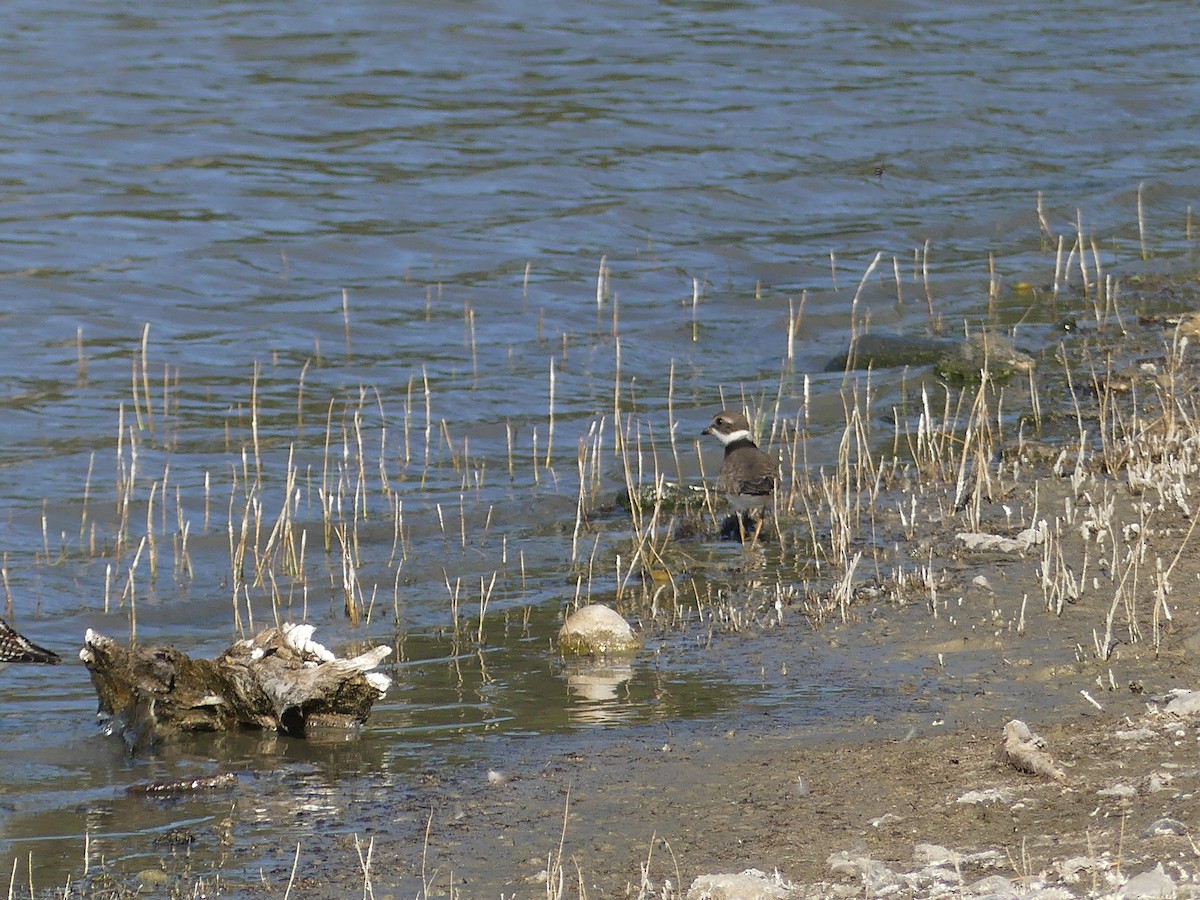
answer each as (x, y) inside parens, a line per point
(15, 648)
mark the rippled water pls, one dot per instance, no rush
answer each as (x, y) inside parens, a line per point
(386, 223)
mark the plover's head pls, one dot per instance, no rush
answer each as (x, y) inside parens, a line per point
(729, 426)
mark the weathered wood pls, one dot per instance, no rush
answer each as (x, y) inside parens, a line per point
(280, 680)
(1026, 752)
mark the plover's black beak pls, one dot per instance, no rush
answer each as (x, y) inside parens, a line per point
(707, 430)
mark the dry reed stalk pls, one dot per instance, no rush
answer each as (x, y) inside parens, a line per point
(695, 310)
(428, 422)
(300, 396)
(977, 449)
(153, 544)
(617, 448)
(141, 383)
(672, 425)
(550, 426)
(81, 359)
(183, 528)
(537, 479)
(993, 286)
(130, 591)
(581, 499)
(108, 575)
(8, 597)
(1141, 219)
(650, 539)
(408, 405)
(1081, 244)
(1059, 268)
(254, 423)
(470, 321)
(455, 594)
(485, 596)
(925, 279)
(351, 588)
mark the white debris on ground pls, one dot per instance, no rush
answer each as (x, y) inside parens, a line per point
(748, 885)
(943, 874)
(987, 795)
(998, 543)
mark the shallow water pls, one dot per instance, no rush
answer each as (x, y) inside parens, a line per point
(386, 225)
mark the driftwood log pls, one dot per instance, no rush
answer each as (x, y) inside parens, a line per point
(1026, 752)
(281, 680)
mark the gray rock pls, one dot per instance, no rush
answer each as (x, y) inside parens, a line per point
(994, 886)
(875, 876)
(1162, 827)
(984, 352)
(1184, 703)
(1155, 883)
(955, 361)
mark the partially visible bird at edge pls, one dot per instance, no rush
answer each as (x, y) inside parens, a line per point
(16, 648)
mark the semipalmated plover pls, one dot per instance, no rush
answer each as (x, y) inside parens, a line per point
(17, 649)
(748, 476)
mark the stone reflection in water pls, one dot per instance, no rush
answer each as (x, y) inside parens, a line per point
(597, 685)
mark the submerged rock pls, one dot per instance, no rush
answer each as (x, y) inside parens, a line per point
(596, 630)
(667, 496)
(281, 680)
(1155, 883)
(889, 351)
(983, 352)
(955, 361)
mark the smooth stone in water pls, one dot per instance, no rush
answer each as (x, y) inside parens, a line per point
(596, 630)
